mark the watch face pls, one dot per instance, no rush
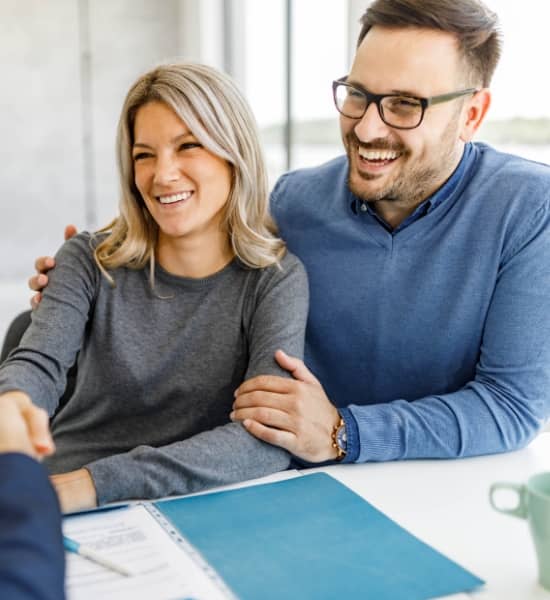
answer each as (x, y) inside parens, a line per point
(341, 438)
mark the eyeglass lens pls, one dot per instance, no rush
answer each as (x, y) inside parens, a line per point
(396, 111)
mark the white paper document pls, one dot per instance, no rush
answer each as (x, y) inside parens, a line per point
(164, 569)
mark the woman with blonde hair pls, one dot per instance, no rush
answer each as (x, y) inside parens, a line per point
(187, 293)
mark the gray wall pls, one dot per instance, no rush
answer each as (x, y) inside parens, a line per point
(66, 66)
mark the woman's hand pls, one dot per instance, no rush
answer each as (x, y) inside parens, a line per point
(75, 490)
(23, 426)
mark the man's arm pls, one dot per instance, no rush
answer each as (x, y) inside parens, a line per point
(31, 549)
(500, 409)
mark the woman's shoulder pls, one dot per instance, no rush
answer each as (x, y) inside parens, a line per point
(292, 264)
(291, 260)
(288, 263)
(288, 271)
(79, 251)
(84, 242)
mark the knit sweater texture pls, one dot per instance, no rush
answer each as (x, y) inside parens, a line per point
(157, 369)
(434, 339)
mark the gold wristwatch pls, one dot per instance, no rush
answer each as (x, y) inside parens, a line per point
(339, 439)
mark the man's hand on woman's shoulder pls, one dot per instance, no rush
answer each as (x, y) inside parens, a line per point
(42, 265)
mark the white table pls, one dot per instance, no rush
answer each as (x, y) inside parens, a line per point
(445, 503)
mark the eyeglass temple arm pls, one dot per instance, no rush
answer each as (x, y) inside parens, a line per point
(451, 96)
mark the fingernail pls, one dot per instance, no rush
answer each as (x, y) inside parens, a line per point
(44, 448)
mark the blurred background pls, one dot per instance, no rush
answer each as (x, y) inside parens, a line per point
(67, 64)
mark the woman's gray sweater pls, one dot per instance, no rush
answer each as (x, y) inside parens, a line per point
(157, 370)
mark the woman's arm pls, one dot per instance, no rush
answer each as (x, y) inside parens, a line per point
(39, 365)
(226, 454)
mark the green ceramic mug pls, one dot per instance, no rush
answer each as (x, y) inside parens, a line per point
(533, 505)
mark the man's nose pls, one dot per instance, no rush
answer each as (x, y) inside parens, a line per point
(371, 126)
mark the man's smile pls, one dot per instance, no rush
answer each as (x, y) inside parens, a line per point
(375, 160)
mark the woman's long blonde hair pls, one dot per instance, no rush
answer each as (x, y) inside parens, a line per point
(215, 111)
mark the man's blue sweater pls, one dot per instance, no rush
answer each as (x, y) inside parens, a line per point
(433, 339)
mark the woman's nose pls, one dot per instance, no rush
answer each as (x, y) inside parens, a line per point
(166, 170)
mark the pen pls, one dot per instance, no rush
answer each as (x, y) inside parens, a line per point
(72, 546)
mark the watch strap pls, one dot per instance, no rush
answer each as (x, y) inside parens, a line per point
(340, 451)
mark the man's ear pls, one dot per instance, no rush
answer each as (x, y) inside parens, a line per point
(475, 111)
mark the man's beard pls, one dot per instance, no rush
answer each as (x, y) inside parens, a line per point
(417, 181)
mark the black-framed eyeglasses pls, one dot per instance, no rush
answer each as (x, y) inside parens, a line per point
(396, 110)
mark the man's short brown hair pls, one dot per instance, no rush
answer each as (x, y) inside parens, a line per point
(474, 26)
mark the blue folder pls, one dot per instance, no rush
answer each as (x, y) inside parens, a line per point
(311, 538)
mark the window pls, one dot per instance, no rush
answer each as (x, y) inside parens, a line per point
(322, 41)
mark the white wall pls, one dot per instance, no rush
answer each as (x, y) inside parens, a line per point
(57, 150)
(44, 113)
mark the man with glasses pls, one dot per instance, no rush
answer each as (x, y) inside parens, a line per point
(428, 257)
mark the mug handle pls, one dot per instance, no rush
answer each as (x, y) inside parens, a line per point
(521, 509)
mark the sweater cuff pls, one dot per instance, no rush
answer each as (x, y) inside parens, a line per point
(352, 435)
(110, 485)
(379, 429)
